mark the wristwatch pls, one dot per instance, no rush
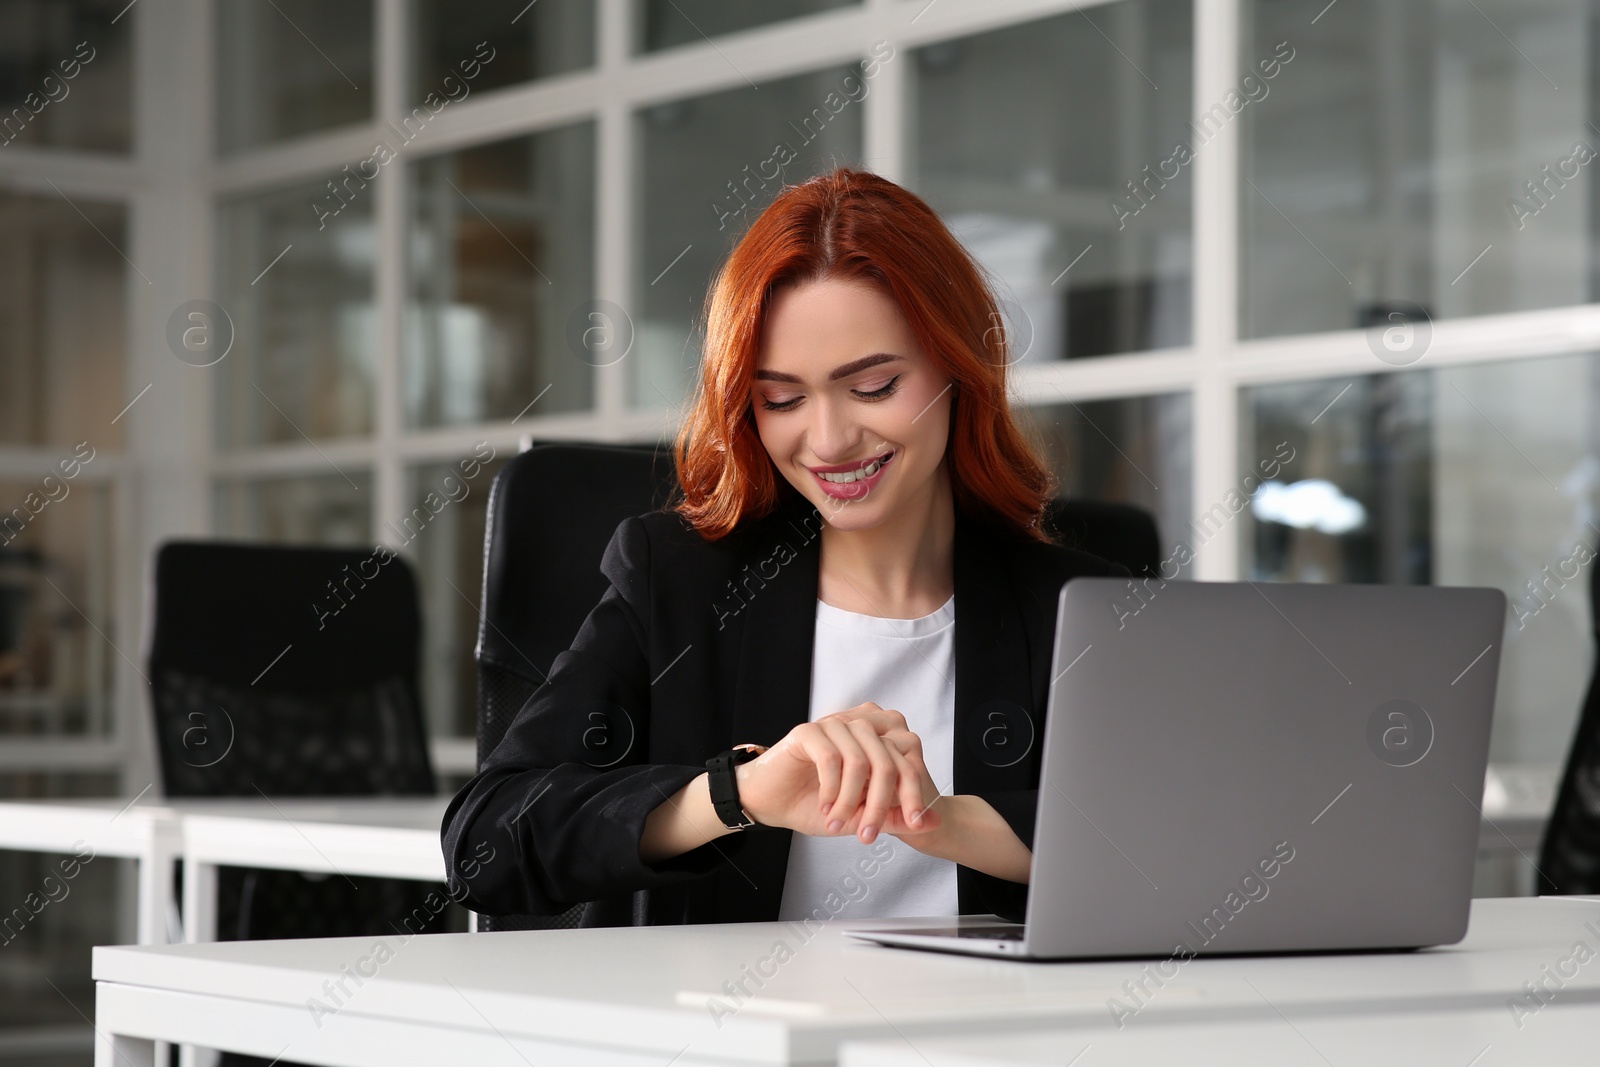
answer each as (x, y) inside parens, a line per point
(724, 785)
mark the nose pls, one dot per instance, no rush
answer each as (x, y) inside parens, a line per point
(835, 437)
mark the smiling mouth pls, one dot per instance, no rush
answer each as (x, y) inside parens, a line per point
(861, 473)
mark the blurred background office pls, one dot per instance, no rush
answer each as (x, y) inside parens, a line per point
(1313, 283)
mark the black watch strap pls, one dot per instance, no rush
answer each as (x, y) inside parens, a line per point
(724, 786)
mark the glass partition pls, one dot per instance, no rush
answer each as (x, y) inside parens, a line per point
(287, 68)
(66, 75)
(1436, 155)
(296, 283)
(502, 246)
(324, 509)
(1133, 451)
(666, 23)
(490, 44)
(63, 320)
(1052, 150)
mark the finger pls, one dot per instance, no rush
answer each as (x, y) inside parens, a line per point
(911, 787)
(905, 741)
(853, 774)
(825, 757)
(883, 720)
(882, 783)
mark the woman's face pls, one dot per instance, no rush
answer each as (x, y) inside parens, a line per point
(840, 382)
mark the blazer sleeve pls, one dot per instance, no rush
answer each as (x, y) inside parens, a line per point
(554, 815)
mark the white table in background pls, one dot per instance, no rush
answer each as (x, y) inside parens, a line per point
(659, 995)
(393, 837)
(144, 832)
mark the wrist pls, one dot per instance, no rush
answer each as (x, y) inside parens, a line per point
(941, 841)
(749, 799)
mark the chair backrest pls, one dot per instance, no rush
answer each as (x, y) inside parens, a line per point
(552, 510)
(1569, 855)
(292, 671)
(1121, 533)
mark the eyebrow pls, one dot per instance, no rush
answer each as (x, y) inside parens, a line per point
(838, 372)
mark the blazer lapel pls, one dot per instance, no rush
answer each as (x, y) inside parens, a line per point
(995, 718)
(996, 725)
(773, 692)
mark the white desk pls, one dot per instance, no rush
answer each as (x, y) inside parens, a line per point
(147, 833)
(1483, 1038)
(645, 996)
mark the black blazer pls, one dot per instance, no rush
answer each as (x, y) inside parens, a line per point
(699, 645)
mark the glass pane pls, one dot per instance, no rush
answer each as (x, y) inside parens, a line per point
(65, 74)
(56, 671)
(708, 166)
(1431, 154)
(297, 278)
(665, 23)
(63, 320)
(488, 44)
(1082, 212)
(443, 537)
(1133, 451)
(291, 67)
(331, 509)
(503, 256)
(1482, 475)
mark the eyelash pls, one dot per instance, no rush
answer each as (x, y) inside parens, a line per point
(884, 393)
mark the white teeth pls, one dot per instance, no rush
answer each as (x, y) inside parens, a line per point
(845, 477)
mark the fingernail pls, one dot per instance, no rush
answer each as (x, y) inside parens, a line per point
(826, 806)
(868, 833)
(916, 817)
(833, 827)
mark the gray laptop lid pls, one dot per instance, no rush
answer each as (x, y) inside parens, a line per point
(1244, 767)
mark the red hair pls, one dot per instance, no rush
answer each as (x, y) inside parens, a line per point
(857, 226)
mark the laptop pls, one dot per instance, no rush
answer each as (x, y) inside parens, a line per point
(1250, 767)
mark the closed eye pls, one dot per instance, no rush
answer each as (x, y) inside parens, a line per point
(882, 392)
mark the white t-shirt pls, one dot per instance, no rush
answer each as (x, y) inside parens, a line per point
(907, 665)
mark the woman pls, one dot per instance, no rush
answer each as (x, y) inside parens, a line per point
(849, 473)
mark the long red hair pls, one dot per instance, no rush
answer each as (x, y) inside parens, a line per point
(854, 225)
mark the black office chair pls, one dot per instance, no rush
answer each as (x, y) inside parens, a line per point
(552, 511)
(264, 682)
(1569, 855)
(1121, 533)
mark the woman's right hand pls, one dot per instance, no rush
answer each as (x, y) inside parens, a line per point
(857, 771)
